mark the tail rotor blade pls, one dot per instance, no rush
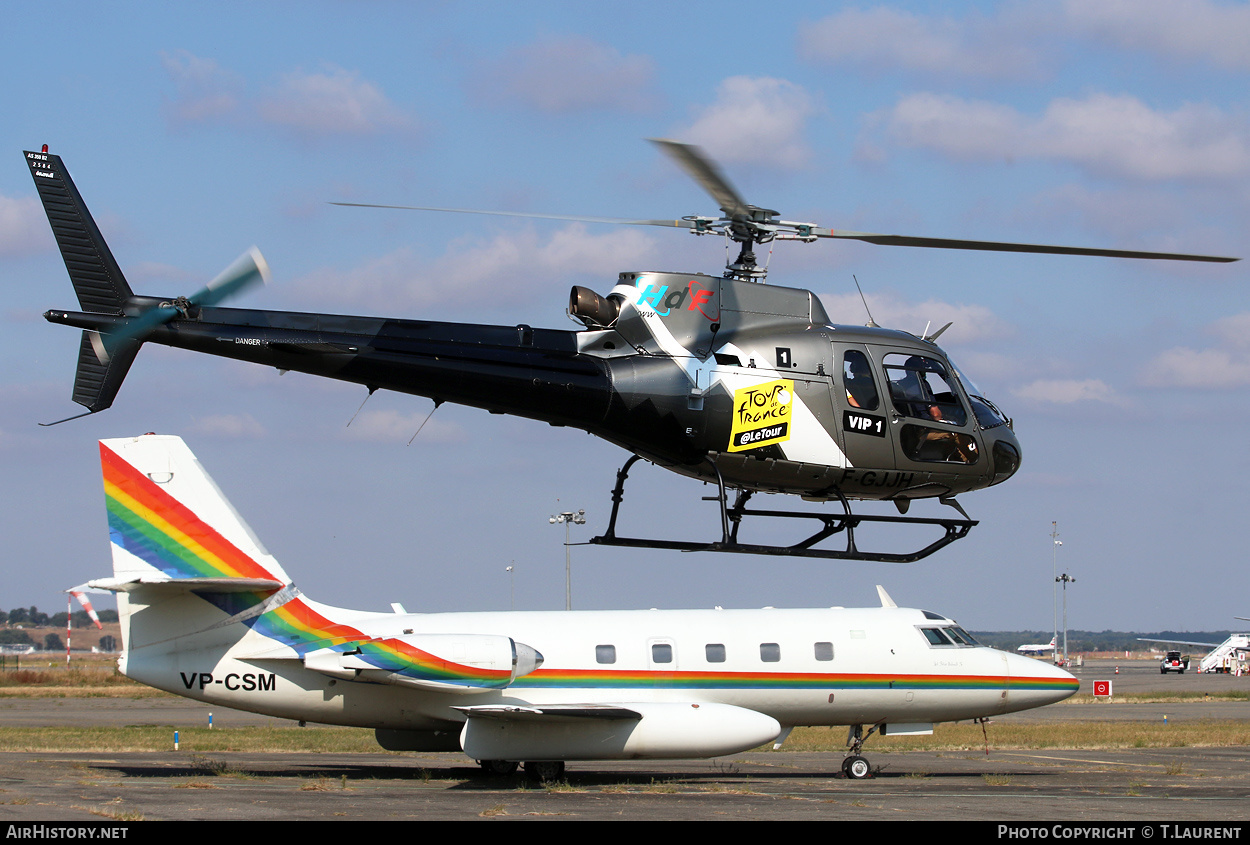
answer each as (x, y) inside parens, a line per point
(136, 328)
(248, 270)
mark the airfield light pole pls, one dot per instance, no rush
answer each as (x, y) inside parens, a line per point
(1066, 579)
(511, 570)
(578, 518)
(1054, 591)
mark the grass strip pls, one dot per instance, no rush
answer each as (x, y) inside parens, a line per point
(947, 737)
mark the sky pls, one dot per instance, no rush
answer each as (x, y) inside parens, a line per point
(194, 132)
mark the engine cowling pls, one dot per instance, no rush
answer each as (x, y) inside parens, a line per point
(455, 663)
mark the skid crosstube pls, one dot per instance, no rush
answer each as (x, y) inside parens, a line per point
(732, 517)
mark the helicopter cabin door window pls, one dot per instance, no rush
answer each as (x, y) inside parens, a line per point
(921, 390)
(861, 388)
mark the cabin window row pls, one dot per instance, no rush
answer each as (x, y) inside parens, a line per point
(714, 652)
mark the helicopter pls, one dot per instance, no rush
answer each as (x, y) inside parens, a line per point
(725, 379)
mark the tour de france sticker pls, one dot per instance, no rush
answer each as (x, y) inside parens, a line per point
(761, 415)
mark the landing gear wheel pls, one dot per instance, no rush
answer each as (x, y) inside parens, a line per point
(544, 770)
(856, 767)
(503, 768)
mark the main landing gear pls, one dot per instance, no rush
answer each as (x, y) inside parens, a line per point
(834, 523)
(855, 766)
(544, 771)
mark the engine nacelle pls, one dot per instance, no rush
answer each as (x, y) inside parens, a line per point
(457, 663)
(656, 730)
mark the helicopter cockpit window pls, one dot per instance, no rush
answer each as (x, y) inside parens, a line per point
(861, 388)
(920, 387)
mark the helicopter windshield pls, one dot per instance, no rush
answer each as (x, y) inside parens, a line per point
(987, 414)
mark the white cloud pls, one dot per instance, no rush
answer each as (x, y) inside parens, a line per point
(1115, 135)
(473, 270)
(233, 426)
(971, 323)
(755, 120)
(568, 75)
(205, 91)
(1224, 366)
(387, 426)
(1190, 30)
(888, 39)
(1068, 391)
(1233, 331)
(23, 227)
(334, 102)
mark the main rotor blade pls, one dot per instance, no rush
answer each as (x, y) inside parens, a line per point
(996, 246)
(703, 170)
(680, 224)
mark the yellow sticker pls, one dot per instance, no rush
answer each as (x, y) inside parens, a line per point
(762, 415)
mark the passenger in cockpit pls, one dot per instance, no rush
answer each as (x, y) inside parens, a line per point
(861, 390)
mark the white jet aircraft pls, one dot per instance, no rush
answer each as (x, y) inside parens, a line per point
(207, 613)
(1037, 648)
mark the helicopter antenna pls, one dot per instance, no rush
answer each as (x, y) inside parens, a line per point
(437, 402)
(362, 406)
(872, 324)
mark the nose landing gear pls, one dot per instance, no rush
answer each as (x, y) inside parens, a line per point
(855, 766)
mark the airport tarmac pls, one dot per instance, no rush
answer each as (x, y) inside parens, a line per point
(1157, 784)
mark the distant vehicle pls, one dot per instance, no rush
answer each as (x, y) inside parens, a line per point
(1037, 648)
(1174, 661)
(1228, 657)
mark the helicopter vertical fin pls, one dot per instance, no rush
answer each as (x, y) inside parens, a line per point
(98, 281)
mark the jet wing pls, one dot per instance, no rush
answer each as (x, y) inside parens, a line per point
(1177, 642)
(186, 585)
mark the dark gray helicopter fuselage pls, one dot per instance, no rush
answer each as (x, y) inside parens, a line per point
(685, 370)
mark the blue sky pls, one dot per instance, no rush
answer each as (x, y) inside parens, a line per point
(194, 133)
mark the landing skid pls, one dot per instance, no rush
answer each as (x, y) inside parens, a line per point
(732, 517)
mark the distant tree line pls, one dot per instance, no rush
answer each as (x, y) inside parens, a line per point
(33, 616)
(12, 622)
(1084, 641)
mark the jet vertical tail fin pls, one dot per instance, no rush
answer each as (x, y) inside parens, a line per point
(192, 579)
(168, 521)
(181, 554)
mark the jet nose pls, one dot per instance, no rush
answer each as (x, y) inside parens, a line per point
(1035, 683)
